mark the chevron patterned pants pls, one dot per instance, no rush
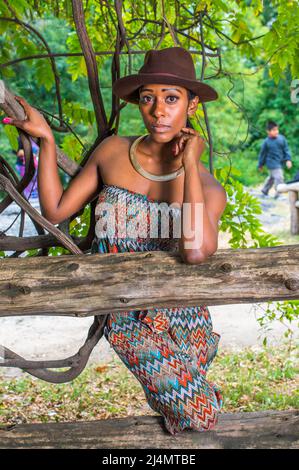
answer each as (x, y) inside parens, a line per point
(169, 351)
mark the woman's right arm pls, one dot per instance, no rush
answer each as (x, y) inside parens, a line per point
(49, 184)
(56, 203)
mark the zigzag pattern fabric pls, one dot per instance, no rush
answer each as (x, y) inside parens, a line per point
(168, 350)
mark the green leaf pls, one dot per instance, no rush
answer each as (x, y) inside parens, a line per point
(12, 135)
(44, 74)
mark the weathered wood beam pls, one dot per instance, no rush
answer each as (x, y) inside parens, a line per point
(251, 430)
(97, 284)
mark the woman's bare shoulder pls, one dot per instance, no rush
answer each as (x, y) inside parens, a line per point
(214, 191)
(112, 145)
(209, 181)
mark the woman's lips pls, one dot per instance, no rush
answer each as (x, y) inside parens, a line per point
(160, 128)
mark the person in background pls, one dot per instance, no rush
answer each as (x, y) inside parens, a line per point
(273, 153)
(31, 191)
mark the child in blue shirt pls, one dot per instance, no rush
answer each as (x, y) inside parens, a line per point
(273, 153)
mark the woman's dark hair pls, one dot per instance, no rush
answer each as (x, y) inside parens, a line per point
(191, 95)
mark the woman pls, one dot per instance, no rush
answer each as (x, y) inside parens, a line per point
(167, 349)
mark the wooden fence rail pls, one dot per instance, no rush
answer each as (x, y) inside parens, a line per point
(88, 285)
(252, 430)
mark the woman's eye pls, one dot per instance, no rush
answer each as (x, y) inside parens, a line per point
(143, 100)
(173, 96)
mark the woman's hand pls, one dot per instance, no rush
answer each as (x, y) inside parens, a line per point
(34, 124)
(189, 145)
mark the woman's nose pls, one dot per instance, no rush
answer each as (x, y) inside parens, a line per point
(158, 108)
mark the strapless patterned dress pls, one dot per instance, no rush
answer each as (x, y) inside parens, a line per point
(169, 350)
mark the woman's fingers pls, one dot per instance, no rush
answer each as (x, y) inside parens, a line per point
(18, 122)
(25, 104)
(21, 100)
(194, 132)
(188, 134)
(182, 140)
(34, 123)
(178, 146)
(14, 122)
(183, 137)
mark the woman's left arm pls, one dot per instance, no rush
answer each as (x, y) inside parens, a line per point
(203, 204)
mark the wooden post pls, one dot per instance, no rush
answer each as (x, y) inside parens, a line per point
(293, 190)
(293, 198)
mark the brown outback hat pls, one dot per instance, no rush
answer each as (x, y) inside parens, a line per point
(173, 65)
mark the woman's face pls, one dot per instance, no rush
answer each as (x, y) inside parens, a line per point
(165, 105)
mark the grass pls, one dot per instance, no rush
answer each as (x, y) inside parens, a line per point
(250, 379)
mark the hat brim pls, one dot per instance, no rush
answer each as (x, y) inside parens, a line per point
(126, 87)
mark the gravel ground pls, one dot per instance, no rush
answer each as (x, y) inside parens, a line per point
(55, 337)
